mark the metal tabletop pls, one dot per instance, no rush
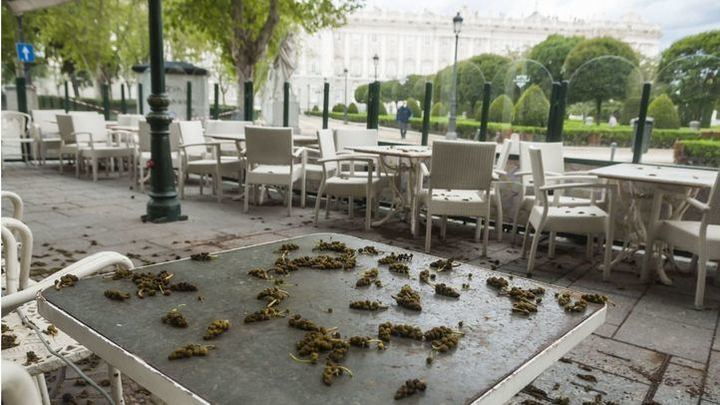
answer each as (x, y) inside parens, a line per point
(403, 151)
(663, 175)
(499, 354)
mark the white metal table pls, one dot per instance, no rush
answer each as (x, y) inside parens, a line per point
(499, 353)
(639, 182)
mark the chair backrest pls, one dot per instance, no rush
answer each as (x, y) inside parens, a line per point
(46, 120)
(66, 128)
(538, 173)
(714, 203)
(268, 145)
(130, 120)
(462, 165)
(24, 238)
(16, 202)
(191, 132)
(327, 149)
(15, 124)
(552, 153)
(226, 127)
(345, 138)
(144, 136)
(92, 123)
(504, 155)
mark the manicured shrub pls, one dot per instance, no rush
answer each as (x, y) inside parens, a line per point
(315, 108)
(501, 109)
(352, 109)
(438, 110)
(477, 111)
(702, 152)
(383, 110)
(414, 106)
(532, 108)
(630, 110)
(339, 107)
(663, 111)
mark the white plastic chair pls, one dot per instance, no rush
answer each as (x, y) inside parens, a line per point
(345, 138)
(500, 177)
(18, 303)
(553, 157)
(17, 203)
(340, 183)
(68, 143)
(143, 152)
(460, 183)
(271, 160)
(18, 387)
(203, 157)
(130, 120)
(701, 238)
(15, 127)
(95, 142)
(587, 220)
(226, 127)
(45, 132)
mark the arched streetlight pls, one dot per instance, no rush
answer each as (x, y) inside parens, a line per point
(376, 60)
(452, 122)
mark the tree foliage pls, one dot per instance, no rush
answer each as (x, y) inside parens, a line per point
(689, 71)
(532, 108)
(361, 93)
(494, 68)
(600, 69)
(663, 111)
(414, 107)
(552, 52)
(438, 110)
(501, 109)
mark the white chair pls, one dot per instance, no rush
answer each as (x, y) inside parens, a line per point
(68, 143)
(95, 142)
(553, 158)
(130, 120)
(45, 132)
(271, 160)
(15, 127)
(17, 203)
(500, 177)
(701, 238)
(226, 127)
(200, 156)
(143, 152)
(587, 220)
(345, 138)
(19, 307)
(340, 183)
(18, 387)
(460, 183)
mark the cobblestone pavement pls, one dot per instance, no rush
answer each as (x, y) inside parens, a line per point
(653, 347)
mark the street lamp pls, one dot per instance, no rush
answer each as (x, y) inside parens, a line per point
(376, 60)
(345, 71)
(452, 122)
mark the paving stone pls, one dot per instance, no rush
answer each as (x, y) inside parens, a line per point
(677, 307)
(666, 336)
(679, 385)
(606, 330)
(621, 283)
(712, 383)
(716, 344)
(680, 361)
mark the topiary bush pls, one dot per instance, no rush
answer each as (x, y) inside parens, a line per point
(663, 111)
(501, 109)
(315, 108)
(630, 110)
(383, 110)
(339, 107)
(477, 111)
(414, 107)
(438, 110)
(352, 109)
(531, 108)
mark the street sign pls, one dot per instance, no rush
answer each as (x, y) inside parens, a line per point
(25, 52)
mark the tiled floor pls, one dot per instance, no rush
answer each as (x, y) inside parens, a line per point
(653, 347)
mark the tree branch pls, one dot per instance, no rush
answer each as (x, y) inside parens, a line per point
(267, 30)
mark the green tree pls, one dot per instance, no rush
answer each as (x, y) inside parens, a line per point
(477, 111)
(501, 109)
(532, 108)
(600, 69)
(494, 68)
(438, 110)
(361, 93)
(663, 111)
(470, 80)
(414, 107)
(689, 71)
(552, 52)
(249, 33)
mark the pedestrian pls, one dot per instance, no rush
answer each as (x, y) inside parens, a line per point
(403, 118)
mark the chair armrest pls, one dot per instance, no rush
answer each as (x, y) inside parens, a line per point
(298, 152)
(565, 186)
(83, 268)
(500, 172)
(701, 206)
(564, 177)
(312, 150)
(350, 158)
(424, 171)
(198, 144)
(91, 142)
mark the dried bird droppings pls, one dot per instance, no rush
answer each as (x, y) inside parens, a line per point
(393, 258)
(9, 341)
(524, 307)
(116, 295)
(333, 370)
(67, 280)
(51, 330)
(442, 338)
(587, 377)
(368, 305)
(446, 290)
(298, 322)
(368, 277)
(565, 301)
(31, 357)
(368, 250)
(183, 286)
(216, 328)
(190, 350)
(497, 282)
(443, 264)
(271, 294)
(362, 341)
(259, 273)
(399, 268)
(595, 298)
(333, 246)
(202, 257)
(411, 387)
(408, 298)
(264, 314)
(175, 318)
(387, 329)
(287, 247)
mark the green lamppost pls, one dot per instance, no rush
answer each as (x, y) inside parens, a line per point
(164, 205)
(451, 134)
(345, 118)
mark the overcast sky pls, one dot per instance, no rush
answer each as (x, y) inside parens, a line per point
(677, 18)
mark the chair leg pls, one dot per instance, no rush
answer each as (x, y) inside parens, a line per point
(486, 232)
(95, 169)
(289, 198)
(478, 229)
(42, 388)
(351, 207)
(246, 196)
(60, 159)
(318, 200)
(116, 390)
(515, 222)
(551, 245)
(303, 188)
(589, 246)
(218, 185)
(77, 165)
(368, 211)
(327, 206)
(499, 216)
(524, 240)
(428, 230)
(443, 228)
(533, 249)
(701, 274)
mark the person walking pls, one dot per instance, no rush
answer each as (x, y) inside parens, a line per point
(403, 118)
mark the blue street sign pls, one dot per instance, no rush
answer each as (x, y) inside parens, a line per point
(25, 51)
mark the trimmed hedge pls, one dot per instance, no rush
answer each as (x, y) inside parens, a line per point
(438, 110)
(702, 152)
(532, 108)
(352, 108)
(501, 109)
(338, 108)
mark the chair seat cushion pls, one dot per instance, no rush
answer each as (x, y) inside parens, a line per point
(684, 235)
(455, 202)
(271, 174)
(578, 220)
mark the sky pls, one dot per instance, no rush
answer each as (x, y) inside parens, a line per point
(677, 18)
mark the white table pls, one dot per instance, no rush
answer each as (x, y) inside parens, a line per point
(665, 183)
(413, 155)
(297, 139)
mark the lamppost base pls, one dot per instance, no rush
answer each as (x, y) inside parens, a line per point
(160, 211)
(451, 135)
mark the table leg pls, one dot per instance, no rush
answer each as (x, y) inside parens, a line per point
(650, 234)
(398, 200)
